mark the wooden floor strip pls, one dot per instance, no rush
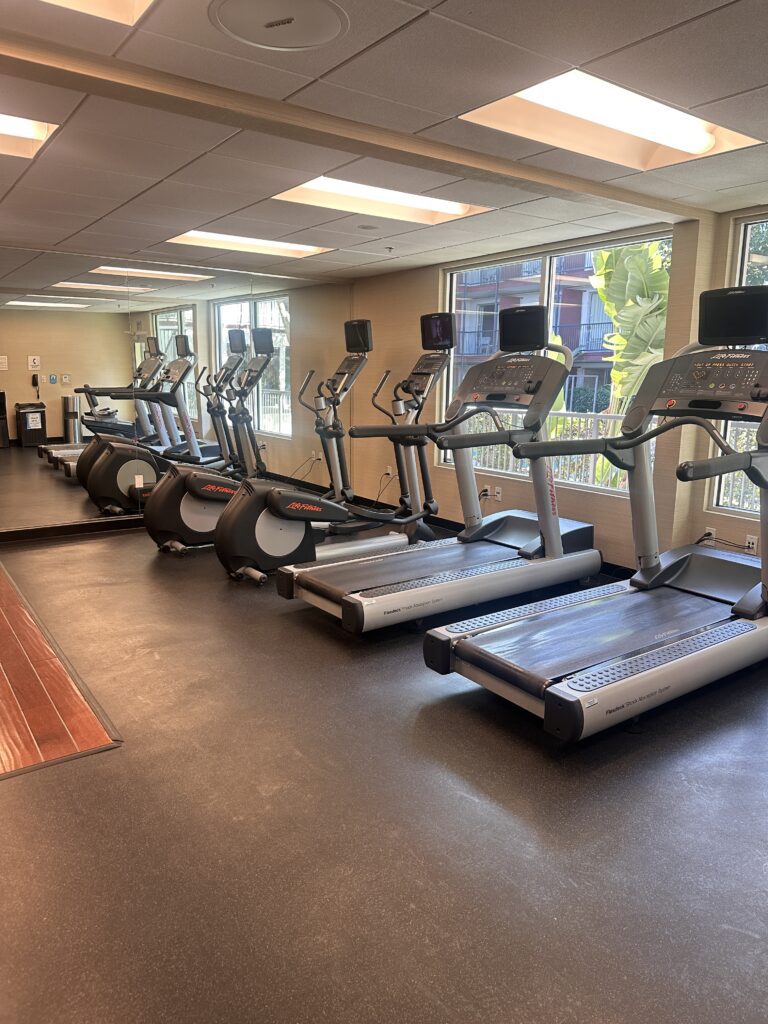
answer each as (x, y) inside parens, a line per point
(45, 714)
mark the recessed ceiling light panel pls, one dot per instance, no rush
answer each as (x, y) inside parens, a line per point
(100, 287)
(126, 12)
(275, 25)
(336, 194)
(48, 305)
(21, 137)
(160, 275)
(239, 243)
(584, 114)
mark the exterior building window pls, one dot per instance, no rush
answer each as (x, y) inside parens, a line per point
(271, 403)
(608, 306)
(167, 324)
(734, 492)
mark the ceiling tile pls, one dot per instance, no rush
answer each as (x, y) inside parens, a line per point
(726, 170)
(74, 147)
(562, 209)
(275, 151)
(21, 198)
(181, 20)
(360, 106)
(650, 183)
(152, 127)
(358, 224)
(11, 259)
(383, 174)
(245, 260)
(182, 196)
(485, 225)
(147, 234)
(573, 32)
(731, 198)
(11, 169)
(386, 248)
(565, 162)
(107, 242)
(343, 257)
(47, 269)
(251, 227)
(482, 140)
(747, 112)
(24, 98)
(433, 64)
(616, 221)
(298, 215)
(59, 25)
(153, 214)
(701, 61)
(178, 58)
(257, 181)
(181, 253)
(487, 193)
(58, 225)
(79, 180)
(324, 237)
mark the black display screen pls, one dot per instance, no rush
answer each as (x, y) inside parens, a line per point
(153, 348)
(358, 336)
(734, 316)
(438, 331)
(523, 329)
(237, 340)
(262, 341)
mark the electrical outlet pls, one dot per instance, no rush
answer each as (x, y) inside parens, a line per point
(388, 471)
(314, 455)
(752, 544)
(710, 541)
(497, 493)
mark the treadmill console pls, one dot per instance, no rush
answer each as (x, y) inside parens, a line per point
(146, 370)
(716, 384)
(512, 381)
(175, 372)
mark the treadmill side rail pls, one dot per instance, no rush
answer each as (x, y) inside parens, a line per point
(729, 651)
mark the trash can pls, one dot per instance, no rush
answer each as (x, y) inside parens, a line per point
(30, 424)
(73, 428)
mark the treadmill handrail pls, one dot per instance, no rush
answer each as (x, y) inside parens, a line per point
(488, 439)
(430, 430)
(754, 464)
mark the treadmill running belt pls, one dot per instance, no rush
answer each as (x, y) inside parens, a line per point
(336, 581)
(533, 653)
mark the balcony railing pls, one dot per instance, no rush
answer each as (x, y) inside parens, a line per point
(587, 337)
(275, 411)
(735, 491)
(583, 470)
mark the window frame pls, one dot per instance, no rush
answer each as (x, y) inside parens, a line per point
(251, 301)
(738, 247)
(195, 412)
(548, 255)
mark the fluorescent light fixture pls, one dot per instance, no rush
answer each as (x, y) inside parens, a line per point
(126, 12)
(100, 287)
(336, 194)
(160, 275)
(584, 114)
(239, 243)
(21, 137)
(48, 305)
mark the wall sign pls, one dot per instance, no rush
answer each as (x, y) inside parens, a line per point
(33, 362)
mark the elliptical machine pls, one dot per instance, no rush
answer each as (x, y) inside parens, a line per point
(265, 527)
(183, 509)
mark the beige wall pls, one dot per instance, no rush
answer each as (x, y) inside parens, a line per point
(93, 348)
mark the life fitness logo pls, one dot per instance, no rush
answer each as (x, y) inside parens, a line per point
(218, 489)
(300, 506)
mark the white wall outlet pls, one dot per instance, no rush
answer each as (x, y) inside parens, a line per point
(388, 471)
(710, 541)
(497, 493)
(314, 455)
(753, 542)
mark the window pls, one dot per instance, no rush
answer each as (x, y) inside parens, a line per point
(271, 404)
(167, 324)
(594, 310)
(734, 492)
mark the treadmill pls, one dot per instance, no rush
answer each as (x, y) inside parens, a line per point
(688, 616)
(496, 556)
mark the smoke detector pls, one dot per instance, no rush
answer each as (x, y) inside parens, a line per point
(289, 25)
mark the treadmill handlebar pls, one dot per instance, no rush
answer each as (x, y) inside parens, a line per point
(705, 469)
(393, 430)
(542, 449)
(450, 442)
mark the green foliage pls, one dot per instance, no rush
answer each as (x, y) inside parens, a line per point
(757, 272)
(633, 284)
(588, 400)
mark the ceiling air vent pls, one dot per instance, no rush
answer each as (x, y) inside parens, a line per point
(280, 24)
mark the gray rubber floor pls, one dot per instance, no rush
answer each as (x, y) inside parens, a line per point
(303, 826)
